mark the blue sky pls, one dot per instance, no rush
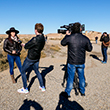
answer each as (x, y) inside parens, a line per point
(24, 14)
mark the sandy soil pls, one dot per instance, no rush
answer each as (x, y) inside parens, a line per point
(97, 92)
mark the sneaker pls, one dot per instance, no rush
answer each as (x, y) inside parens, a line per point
(22, 90)
(82, 94)
(42, 88)
(104, 62)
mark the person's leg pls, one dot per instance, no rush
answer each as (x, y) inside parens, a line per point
(102, 49)
(11, 65)
(18, 62)
(71, 71)
(25, 66)
(36, 69)
(28, 72)
(27, 63)
(105, 54)
(80, 70)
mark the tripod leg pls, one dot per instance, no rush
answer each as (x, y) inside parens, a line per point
(76, 83)
(65, 75)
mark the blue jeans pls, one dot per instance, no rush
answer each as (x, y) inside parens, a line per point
(26, 65)
(11, 60)
(104, 53)
(96, 41)
(71, 71)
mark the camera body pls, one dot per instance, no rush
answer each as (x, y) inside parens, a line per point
(19, 41)
(17, 52)
(69, 28)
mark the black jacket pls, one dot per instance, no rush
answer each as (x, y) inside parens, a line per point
(77, 44)
(35, 46)
(105, 39)
(9, 46)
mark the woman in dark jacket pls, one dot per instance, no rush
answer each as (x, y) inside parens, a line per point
(12, 45)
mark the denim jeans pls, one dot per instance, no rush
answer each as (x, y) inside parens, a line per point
(104, 53)
(26, 65)
(11, 60)
(71, 71)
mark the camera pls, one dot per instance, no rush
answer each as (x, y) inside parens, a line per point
(17, 52)
(19, 41)
(17, 46)
(69, 28)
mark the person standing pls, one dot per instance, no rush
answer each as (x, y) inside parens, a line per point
(34, 46)
(77, 44)
(96, 39)
(12, 45)
(104, 46)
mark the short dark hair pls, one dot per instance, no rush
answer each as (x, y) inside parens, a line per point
(39, 27)
(76, 27)
(105, 33)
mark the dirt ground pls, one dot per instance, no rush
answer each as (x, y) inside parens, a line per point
(97, 91)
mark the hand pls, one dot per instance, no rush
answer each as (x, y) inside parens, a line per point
(23, 44)
(13, 52)
(68, 33)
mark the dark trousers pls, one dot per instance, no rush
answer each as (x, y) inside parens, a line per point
(104, 53)
(27, 64)
(11, 60)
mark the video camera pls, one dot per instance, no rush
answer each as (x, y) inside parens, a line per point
(69, 28)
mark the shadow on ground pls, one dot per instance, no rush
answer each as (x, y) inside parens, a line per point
(28, 104)
(43, 73)
(65, 104)
(95, 57)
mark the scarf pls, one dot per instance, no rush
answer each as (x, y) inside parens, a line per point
(14, 38)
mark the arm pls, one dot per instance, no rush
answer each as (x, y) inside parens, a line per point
(30, 44)
(5, 47)
(106, 44)
(101, 39)
(89, 46)
(64, 41)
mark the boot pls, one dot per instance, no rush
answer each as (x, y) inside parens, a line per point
(13, 79)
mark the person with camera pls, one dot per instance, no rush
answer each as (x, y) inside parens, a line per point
(12, 45)
(105, 43)
(77, 44)
(34, 46)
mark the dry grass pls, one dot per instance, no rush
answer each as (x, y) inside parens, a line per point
(55, 38)
(55, 47)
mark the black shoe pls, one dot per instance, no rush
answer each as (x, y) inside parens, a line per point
(86, 84)
(69, 96)
(82, 94)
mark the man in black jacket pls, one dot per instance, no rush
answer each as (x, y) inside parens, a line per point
(34, 46)
(105, 43)
(77, 44)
